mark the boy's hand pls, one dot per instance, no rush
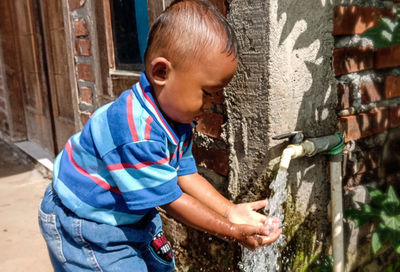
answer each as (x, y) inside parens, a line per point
(253, 237)
(205, 219)
(245, 213)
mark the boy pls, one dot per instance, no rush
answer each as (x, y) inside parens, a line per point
(135, 154)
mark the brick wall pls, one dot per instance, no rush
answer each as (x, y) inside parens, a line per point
(210, 149)
(84, 62)
(368, 93)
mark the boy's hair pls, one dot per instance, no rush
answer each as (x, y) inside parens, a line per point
(185, 30)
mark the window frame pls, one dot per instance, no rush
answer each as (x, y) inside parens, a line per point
(113, 80)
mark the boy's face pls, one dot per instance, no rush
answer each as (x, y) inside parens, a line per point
(190, 87)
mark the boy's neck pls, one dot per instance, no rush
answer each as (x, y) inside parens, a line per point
(172, 123)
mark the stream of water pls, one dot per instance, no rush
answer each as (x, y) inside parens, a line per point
(266, 258)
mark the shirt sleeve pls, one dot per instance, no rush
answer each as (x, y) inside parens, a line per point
(142, 173)
(187, 163)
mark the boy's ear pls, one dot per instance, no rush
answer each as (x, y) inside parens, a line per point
(159, 70)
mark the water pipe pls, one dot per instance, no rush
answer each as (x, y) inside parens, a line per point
(309, 147)
(333, 146)
(335, 170)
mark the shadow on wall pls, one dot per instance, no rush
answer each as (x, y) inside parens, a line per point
(305, 45)
(296, 91)
(301, 50)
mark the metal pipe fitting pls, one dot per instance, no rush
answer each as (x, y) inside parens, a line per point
(295, 151)
(324, 143)
(309, 147)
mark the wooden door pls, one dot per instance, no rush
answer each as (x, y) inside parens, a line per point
(62, 109)
(12, 71)
(48, 103)
(36, 95)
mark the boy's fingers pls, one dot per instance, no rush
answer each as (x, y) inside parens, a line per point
(271, 227)
(254, 241)
(271, 237)
(250, 230)
(258, 204)
(260, 218)
(264, 230)
(273, 221)
(257, 240)
(257, 237)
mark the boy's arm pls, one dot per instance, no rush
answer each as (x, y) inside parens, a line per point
(190, 211)
(199, 188)
(245, 213)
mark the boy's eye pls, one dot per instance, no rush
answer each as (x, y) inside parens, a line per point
(206, 93)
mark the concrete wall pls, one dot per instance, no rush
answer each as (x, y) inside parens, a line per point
(303, 66)
(296, 72)
(284, 83)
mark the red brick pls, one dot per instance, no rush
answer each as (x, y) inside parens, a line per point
(363, 178)
(84, 117)
(75, 4)
(85, 72)
(362, 162)
(378, 122)
(372, 91)
(393, 179)
(81, 28)
(210, 124)
(83, 48)
(344, 91)
(394, 117)
(214, 159)
(392, 87)
(86, 95)
(370, 159)
(355, 127)
(349, 20)
(221, 5)
(387, 57)
(354, 59)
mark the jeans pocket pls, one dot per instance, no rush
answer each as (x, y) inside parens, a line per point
(48, 228)
(155, 263)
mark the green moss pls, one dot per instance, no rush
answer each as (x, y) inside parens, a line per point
(293, 219)
(302, 252)
(274, 171)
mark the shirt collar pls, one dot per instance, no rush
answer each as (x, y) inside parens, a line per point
(144, 94)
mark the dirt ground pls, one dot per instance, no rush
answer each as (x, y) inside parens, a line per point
(21, 189)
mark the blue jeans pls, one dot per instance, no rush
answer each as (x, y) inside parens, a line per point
(77, 244)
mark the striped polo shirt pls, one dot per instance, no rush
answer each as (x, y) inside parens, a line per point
(125, 161)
